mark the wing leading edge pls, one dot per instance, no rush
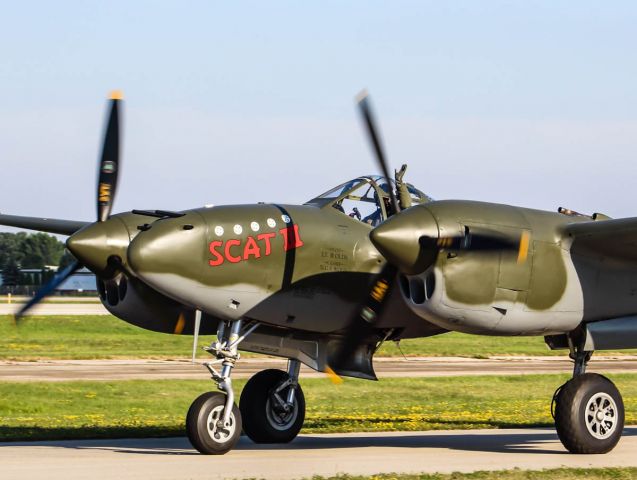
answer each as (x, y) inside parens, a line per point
(605, 238)
(50, 225)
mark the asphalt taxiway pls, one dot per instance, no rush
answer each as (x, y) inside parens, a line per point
(308, 455)
(62, 370)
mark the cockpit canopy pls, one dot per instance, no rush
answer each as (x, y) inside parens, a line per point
(365, 199)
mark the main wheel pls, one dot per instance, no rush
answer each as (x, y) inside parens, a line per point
(265, 418)
(589, 414)
(204, 424)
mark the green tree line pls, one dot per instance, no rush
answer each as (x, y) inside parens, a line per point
(24, 250)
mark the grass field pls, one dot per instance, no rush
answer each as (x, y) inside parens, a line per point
(139, 408)
(554, 474)
(87, 337)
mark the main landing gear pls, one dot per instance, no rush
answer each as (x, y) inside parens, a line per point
(273, 405)
(588, 410)
(271, 408)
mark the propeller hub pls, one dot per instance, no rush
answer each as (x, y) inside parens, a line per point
(97, 245)
(399, 239)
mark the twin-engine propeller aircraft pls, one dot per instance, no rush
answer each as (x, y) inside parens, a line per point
(326, 282)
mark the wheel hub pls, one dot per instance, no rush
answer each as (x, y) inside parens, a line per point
(279, 416)
(216, 429)
(601, 416)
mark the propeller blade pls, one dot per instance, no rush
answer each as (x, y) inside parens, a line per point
(471, 242)
(477, 242)
(48, 288)
(372, 131)
(362, 324)
(109, 162)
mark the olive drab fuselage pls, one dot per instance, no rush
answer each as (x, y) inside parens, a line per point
(302, 271)
(306, 268)
(230, 260)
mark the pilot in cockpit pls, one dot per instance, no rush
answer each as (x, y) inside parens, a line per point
(376, 217)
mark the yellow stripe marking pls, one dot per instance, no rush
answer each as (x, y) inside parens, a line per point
(336, 380)
(524, 247)
(116, 95)
(104, 192)
(379, 290)
(181, 323)
(444, 242)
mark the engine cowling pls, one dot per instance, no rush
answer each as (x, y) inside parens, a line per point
(527, 291)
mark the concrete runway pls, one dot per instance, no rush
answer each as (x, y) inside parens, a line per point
(356, 454)
(60, 370)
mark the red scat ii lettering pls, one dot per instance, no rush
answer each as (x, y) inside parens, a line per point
(251, 249)
(291, 238)
(266, 237)
(219, 259)
(237, 250)
(226, 250)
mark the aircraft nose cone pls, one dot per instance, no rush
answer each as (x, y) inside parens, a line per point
(93, 245)
(398, 239)
(170, 250)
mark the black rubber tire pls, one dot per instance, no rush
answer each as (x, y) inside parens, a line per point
(254, 404)
(197, 429)
(571, 414)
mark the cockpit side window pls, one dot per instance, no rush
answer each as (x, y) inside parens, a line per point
(362, 203)
(365, 199)
(417, 196)
(340, 190)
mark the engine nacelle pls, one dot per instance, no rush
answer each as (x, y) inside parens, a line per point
(498, 292)
(138, 304)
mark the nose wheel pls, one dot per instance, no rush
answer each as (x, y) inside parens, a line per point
(206, 428)
(213, 422)
(272, 406)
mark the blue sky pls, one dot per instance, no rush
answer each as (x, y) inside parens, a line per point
(531, 103)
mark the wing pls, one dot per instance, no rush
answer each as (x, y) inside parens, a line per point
(607, 238)
(50, 225)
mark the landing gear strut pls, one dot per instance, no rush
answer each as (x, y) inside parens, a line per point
(273, 405)
(589, 411)
(213, 422)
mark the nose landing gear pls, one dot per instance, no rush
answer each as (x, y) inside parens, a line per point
(205, 426)
(213, 422)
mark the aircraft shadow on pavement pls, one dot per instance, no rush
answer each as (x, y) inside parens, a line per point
(479, 441)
